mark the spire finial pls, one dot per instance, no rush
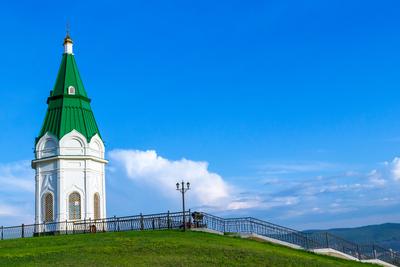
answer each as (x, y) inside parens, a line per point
(67, 28)
(68, 41)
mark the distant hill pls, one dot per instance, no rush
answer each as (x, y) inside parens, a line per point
(386, 235)
(156, 248)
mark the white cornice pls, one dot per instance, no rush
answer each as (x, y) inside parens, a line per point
(34, 162)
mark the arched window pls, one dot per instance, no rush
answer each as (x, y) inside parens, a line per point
(74, 206)
(71, 90)
(48, 208)
(96, 206)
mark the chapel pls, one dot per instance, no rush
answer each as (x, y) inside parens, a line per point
(69, 152)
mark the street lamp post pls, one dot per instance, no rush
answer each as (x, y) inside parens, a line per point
(182, 189)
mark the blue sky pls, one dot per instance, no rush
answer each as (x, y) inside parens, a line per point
(293, 105)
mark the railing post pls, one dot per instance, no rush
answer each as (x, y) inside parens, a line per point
(224, 225)
(84, 226)
(168, 222)
(153, 224)
(141, 222)
(118, 225)
(2, 233)
(22, 231)
(307, 244)
(132, 224)
(103, 227)
(327, 240)
(66, 227)
(190, 220)
(115, 223)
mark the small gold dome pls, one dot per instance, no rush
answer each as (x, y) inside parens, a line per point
(67, 39)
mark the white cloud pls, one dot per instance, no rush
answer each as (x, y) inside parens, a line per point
(376, 178)
(281, 195)
(208, 188)
(315, 191)
(255, 201)
(284, 168)
(395, 168)
(244, 204)
(17, 184)
(17, 176)
(10, 210)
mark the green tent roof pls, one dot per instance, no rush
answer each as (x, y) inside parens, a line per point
(66, 111)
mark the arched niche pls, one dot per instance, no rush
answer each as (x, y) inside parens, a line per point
(73, 143)
(96, 147)
(47, 146)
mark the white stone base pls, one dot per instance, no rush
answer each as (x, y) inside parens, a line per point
(206, 230)
(334, 253)
(379, 262)
(271, 240)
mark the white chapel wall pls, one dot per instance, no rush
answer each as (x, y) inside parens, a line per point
(77, 170)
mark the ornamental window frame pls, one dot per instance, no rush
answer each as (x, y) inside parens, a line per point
(71, 90)
(48, 207)
(74, 206)
(96, 206)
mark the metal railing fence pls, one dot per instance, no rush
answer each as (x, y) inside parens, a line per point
(320, 240)
(174, 220)
(168, 220)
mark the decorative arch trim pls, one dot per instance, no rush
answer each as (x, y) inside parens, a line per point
(74, 135)
(40, 146)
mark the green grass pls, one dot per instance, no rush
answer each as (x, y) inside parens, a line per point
(155, 248)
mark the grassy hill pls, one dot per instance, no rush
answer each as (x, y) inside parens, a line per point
(386, 235)
(155, 248)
